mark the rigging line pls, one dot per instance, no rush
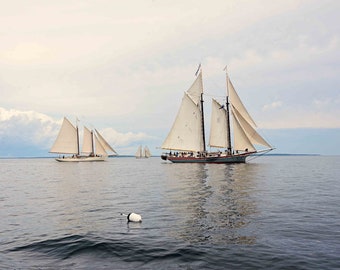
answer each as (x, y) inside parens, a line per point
(214, 86)
(210, 95)
(259, 155)
(264, 136)
(198, 69)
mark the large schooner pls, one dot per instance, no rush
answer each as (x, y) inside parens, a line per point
(186, 139)
(94, 147)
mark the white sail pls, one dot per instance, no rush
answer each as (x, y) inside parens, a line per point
(99, 148)
(253, 136)
(139, 153)
(87, 141)
(147, 152)
(104, 143)
(186, 132)
(241, 140)
(67, 139)
(245, 135)
(196, 89)
(237, 103)
(219, 126)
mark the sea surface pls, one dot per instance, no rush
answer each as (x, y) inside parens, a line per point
(274, 212)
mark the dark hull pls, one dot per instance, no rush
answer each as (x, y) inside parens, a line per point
(241, 158)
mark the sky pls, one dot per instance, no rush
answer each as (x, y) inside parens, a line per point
(123, 66)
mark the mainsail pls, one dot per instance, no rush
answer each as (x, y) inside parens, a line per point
(67, 139)
(186, 132)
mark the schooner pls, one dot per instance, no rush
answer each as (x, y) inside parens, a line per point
(143, 152)
(94, 147)
(186, 139)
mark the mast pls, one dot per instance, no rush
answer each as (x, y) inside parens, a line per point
(78, 140)
(92, 142)
(228, 114)
(202, 114)
(202, 111)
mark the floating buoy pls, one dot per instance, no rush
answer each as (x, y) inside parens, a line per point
(133, 217)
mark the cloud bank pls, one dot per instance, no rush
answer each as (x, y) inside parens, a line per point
(24, 131)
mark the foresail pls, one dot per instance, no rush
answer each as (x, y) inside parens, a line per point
(99, 148)
(87, 141)
(67, 139)
(104, 143)
(237, 103)
(253, 136)
(218, 126)
(196, 89)
(186, 132)
(241, 140)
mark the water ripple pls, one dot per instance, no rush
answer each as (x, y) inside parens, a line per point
(278, 213)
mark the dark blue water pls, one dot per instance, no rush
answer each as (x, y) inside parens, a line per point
(271, 213)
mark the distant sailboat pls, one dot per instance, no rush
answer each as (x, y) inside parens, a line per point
(186, 139)
(67, 142)
(143, 153)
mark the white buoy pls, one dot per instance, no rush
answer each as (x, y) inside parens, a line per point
(133, 217)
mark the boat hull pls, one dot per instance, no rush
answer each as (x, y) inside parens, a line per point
(240, 158)
(81, 159)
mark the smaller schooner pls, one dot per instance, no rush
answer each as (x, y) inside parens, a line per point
(94, 148)
(143, 153)
(186, 139)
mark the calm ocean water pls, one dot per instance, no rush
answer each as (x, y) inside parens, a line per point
(271, 213)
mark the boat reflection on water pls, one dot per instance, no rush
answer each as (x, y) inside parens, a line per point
(213, 203)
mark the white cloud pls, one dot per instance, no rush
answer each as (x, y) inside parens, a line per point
(124, 139)
(273, 105)
(26, 127)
